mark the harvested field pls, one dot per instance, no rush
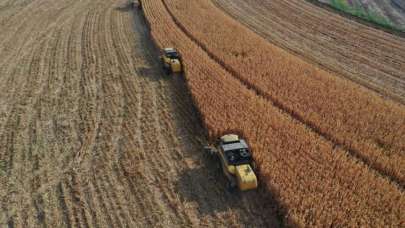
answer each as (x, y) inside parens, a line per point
(93, 134)
(366, 55)
(314, 180)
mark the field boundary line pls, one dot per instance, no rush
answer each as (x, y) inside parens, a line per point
(294, 115)
(357, 19)
(346, 76)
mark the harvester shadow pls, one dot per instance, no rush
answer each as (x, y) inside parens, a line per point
(145, 71)
(204, 185)
(128, 6)
(205, 188)
(152, 70)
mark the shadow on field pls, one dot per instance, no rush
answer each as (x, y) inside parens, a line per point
(204, 185)
(145, 71)
(127, 7)
(153, 70)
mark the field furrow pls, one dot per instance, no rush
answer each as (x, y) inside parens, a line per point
(361, 53)
(221, 98)
(338, 110)
(93, 133)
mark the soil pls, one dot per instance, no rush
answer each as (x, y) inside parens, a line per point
(94, 134)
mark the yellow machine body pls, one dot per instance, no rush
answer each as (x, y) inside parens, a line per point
(241, 174)
(171, 61)
(246, 178)
(173, 64)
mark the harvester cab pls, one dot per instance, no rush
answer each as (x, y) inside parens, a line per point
(171, 61)
(236, 161)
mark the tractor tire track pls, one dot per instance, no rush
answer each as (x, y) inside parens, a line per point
(93, 134)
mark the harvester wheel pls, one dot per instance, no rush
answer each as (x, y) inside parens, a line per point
(231, 186)
(167, 69)
(210, 153)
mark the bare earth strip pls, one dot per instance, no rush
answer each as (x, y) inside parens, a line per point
(92, 134)
(371, 57)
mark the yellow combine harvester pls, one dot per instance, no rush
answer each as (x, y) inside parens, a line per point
(171, 61)
(236, 162)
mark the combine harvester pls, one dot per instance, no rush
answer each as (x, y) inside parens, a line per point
(236, 161)
(171, 61)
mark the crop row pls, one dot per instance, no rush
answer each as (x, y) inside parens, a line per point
(315, 182)
(371, 128)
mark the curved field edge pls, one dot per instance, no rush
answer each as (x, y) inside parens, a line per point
(294, 162)
(338, 110)
(357, 52)
(369, 18)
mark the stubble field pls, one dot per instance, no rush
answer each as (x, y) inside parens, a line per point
(93, 134)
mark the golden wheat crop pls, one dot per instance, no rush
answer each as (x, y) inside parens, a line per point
(315, 181)
(371, 128)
